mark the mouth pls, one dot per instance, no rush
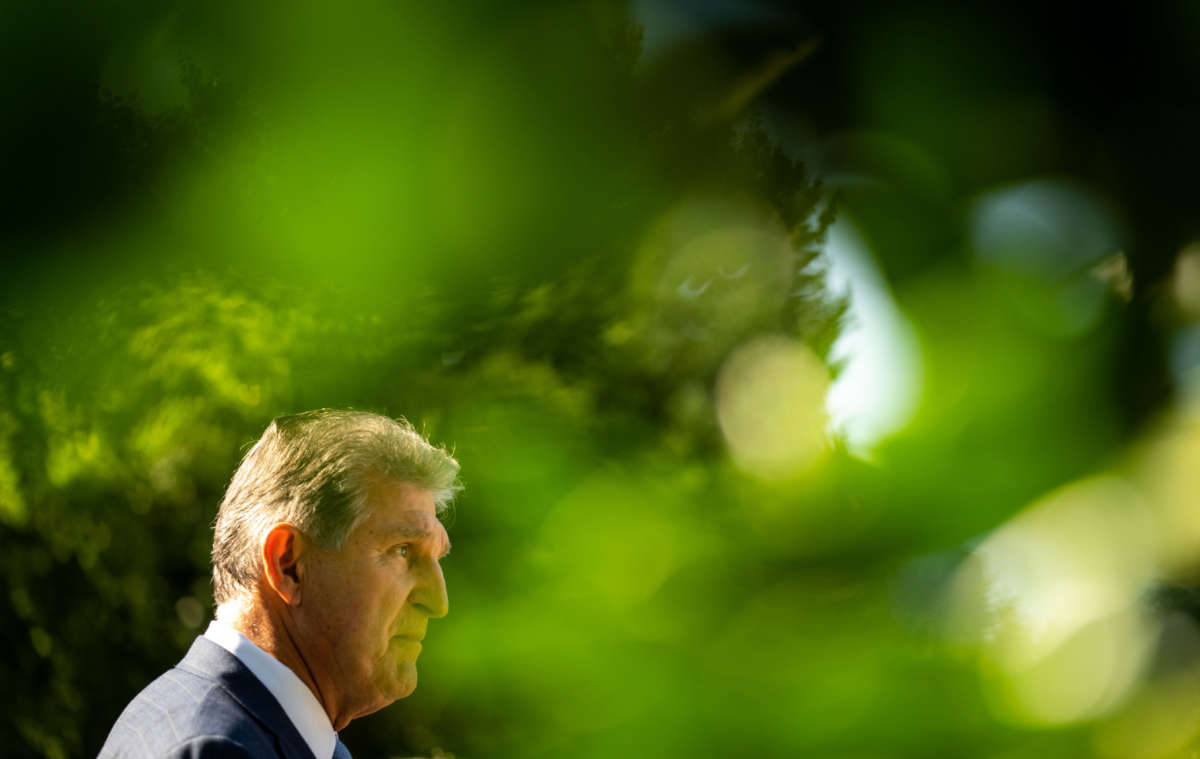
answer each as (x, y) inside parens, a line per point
(407, 647)
(413, 637)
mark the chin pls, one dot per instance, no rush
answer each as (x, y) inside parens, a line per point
(405, 682)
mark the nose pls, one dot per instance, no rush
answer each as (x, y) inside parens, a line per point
(429, 596)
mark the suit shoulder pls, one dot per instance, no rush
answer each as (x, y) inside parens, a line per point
(195, 747)
(209, 747)
(180, 714)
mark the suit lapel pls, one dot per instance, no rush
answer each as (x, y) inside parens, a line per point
(210, 661)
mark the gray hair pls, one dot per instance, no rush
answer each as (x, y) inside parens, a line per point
(311, 469)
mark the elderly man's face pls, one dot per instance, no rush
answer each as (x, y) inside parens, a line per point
(369, 603)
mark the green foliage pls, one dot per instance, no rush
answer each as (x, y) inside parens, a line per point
(344, 232)
(541, 238)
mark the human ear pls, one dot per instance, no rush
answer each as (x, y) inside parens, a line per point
(281, 551)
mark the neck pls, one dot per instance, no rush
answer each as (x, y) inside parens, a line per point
(274, 631)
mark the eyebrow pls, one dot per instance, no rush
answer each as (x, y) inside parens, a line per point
(406, 531)
(414, 532)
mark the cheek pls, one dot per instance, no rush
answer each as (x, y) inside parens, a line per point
(387, 611)
(382, 602)
(339, 616)
(343, 606)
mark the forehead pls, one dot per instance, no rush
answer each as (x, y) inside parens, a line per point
(384, 494)
(400, 507)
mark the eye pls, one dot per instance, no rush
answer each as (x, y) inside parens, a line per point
(401, 550)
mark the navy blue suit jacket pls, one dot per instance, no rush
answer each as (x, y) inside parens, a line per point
(208, 705)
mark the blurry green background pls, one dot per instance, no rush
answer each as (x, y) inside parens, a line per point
(823, 375)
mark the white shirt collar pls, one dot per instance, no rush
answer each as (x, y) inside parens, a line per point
(298, 702)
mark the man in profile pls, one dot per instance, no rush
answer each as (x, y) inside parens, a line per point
(326, 572)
